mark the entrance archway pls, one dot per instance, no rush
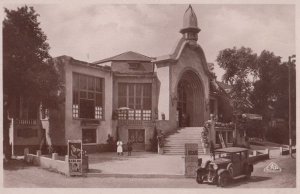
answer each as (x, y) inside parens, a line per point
(190, 104)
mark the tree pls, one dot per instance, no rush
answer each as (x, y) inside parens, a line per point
(27, 70)
(261, 82)
(271, 95)
(264, 92)
(239, 66)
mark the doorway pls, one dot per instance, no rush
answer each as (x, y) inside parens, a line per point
(190, 100)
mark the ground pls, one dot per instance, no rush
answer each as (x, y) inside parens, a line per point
(18, 174)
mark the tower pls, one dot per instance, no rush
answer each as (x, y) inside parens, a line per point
(190, 28)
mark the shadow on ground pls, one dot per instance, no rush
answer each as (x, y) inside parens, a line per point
(110, 156)
(253, 179)
(14, 164)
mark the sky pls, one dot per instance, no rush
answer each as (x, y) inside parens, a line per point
(92, 32)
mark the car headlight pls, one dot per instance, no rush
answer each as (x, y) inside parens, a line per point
(215, 166)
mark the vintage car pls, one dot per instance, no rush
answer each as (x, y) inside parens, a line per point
(229, 163)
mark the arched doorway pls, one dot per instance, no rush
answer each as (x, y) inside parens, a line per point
(190, 104)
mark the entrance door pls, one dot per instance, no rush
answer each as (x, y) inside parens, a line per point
(190, 100)
(182, 105)
(137, 137)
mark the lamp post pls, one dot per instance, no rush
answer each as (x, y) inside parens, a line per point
(290, 104)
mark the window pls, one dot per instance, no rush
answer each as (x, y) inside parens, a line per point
(87, 97)
(230, 137)
(227, 136)
(26, 108)
(89, 136)
(138, 98)
(134, 65)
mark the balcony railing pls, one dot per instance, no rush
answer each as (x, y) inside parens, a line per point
(25, 121)
(134, 115)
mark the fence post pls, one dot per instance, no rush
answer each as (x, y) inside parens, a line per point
(54, 156)
(268, 152)
(66, 158)
(26, 151)
(254, 153)
(38, 153)
(281, 150)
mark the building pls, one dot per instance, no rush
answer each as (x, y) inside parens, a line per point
(128, 97)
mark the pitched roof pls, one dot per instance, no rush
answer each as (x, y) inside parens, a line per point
(63, 59)
(224, 85)
(127, 56)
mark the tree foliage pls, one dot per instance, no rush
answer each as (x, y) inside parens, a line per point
(239, 65)
(262, 80)
(26, 67)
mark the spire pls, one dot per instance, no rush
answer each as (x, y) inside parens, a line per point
(190, 28)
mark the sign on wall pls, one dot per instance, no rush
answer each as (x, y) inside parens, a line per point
(75, 157)
(191, 159)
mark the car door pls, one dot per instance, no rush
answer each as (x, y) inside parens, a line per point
(236, 163)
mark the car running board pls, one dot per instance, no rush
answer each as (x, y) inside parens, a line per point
(238, 177)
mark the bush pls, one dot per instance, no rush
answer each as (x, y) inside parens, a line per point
(278, 135)
(153, 141)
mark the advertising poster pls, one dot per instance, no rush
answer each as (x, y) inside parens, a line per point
(75, 157)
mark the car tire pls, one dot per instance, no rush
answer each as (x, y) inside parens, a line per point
(223, 179)
(199, 179)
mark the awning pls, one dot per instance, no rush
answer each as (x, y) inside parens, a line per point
(252, 116)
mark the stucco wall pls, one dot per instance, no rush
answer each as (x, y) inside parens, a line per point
(73, 128)
(190, 59)
(130, 124)
(163, 75)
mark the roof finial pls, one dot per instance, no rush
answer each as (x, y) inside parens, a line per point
(190, 23)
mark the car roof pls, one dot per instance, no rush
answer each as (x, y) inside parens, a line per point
(231, 149)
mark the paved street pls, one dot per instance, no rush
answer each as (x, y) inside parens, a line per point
(18, 174)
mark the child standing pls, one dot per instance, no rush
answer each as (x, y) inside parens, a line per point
(120, 148)
(129, 147)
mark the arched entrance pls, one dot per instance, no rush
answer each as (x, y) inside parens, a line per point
(190, 104)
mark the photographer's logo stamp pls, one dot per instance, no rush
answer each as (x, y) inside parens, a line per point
(272, 167)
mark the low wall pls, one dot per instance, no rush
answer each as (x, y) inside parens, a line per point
(48, 163)
(259, 156)
(53, 163)
(286, 151)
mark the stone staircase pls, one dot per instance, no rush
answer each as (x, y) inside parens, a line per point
(174, 143)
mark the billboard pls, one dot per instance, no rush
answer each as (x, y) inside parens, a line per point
(75, 157)
(191, 159)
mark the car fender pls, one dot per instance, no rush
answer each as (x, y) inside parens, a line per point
(201, 170)
(229, 168)
(222, 171)
(206, 164)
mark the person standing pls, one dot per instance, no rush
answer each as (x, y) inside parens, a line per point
(129, 147)
(120, 148)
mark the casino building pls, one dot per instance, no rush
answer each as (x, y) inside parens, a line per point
(128, 97)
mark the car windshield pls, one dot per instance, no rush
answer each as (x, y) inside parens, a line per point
(222, 155)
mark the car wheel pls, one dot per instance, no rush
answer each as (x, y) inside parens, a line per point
(199, 179)
(223, 179)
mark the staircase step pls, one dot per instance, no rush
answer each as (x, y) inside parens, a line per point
(175, 142)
